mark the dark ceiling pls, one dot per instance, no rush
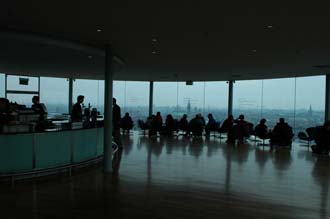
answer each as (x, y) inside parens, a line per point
(192, 40)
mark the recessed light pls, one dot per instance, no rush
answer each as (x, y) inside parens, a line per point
(254, 50)
(269, 26)
(98, 30)
(90, 57)
(154, 52)
(154, 39)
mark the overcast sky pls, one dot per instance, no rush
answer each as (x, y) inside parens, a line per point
(272, 94)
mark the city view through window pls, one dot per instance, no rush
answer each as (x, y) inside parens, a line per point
(300, 100)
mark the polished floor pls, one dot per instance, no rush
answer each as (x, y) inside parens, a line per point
(183, 178)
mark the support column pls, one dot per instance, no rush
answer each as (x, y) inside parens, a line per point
(230, 97)
(151, 97)
(70, 95)
(108, 85)
(327, 98)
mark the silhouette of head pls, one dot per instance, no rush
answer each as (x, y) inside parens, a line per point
(114, 101)
(80, 99)
(4, 104)
(35, 99)
(241, 117)
(282, 120)
(158, 113)
(210, 116)
(184, 116)
(126, 114)
(263, 121)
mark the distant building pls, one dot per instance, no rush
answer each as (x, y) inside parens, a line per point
(188, 107)
(310, 111)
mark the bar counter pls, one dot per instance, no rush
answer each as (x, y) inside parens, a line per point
(31, 152)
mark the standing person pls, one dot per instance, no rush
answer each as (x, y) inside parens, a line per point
(76, 114)
(116, 117)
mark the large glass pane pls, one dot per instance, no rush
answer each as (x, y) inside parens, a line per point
(137, 100)
(216, 99)
(54, 93)
(13, 83)
(2, 85)
(100, 100)
(310, 102)
(191, 99)
(119, 92)
(165, 98)
(248, 100)
(89, 89)
(278, 100)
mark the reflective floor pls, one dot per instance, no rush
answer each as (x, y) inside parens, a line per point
(183, 178)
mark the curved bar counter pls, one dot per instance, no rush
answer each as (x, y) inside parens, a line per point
(31, 153)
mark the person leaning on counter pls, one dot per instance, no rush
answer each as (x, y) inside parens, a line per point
(39, 107)
(77, 115)
(4, 111)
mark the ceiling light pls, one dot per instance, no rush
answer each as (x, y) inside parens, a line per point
(254, 50)
(98, 30)
(154, 52)
(269, 26)
(90, 57)
(154, 39)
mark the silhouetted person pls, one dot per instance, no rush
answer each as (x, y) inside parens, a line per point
(239, 131)
(261, 130)
(158, 122)
(38, 107)
(4, 111)
(76, 114)
(170, 125)
(196, 125)
(126, 122)
(152, 124)
(211, 125)
(282, 134)
(322, 139)
(202, 118)
(116, 117)
(227, 124)
(183, 123)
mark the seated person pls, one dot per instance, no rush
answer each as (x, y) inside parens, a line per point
(153, 126)
(170, 125)
(227, 124)
(183, 123)
(282, 134)
(239, 131)
(39, 107)
(4, 111)
(77, 115)
(149, 121)
(126, 123)
(322, 139)
(211, 125)
(196, 125)
(158, 122)
(261, 130)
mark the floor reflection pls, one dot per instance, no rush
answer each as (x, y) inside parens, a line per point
(183, 178)
(321, 174)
